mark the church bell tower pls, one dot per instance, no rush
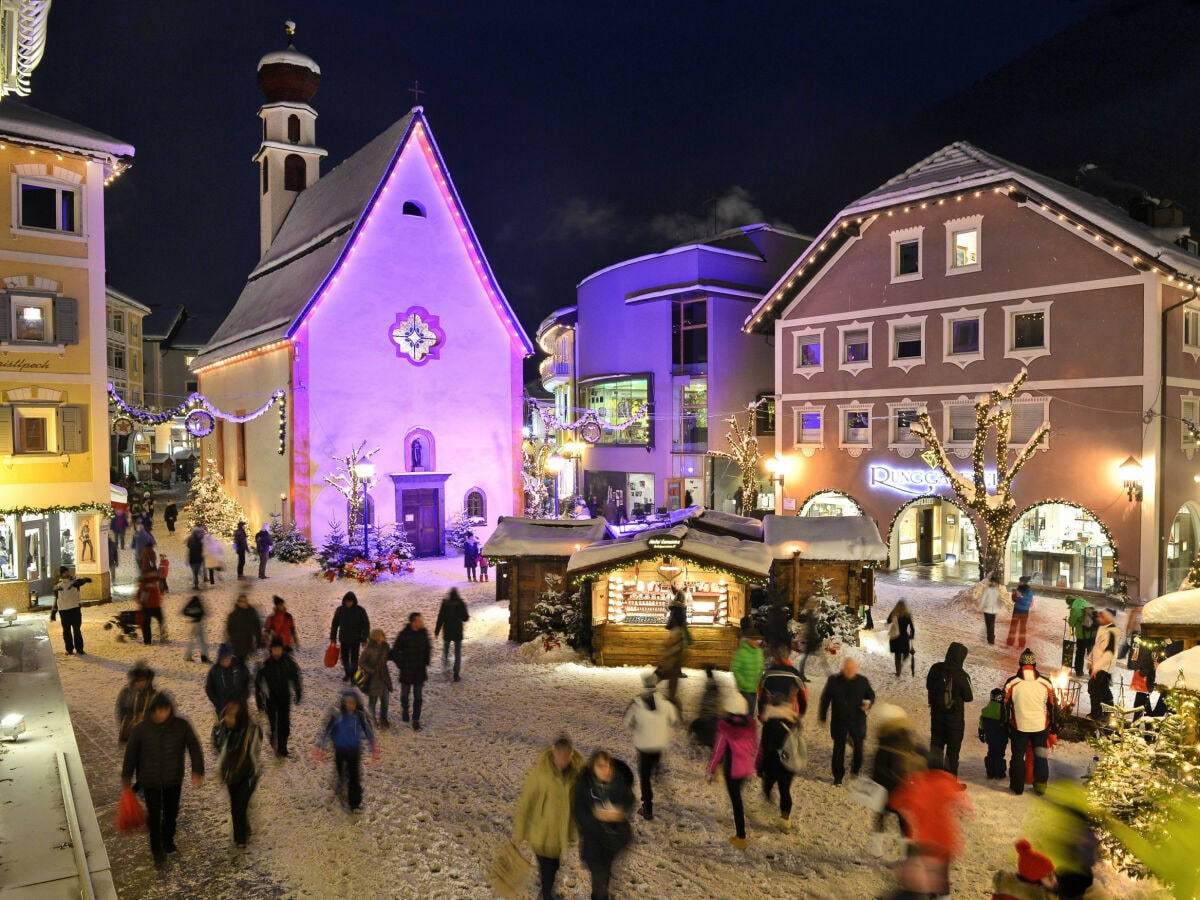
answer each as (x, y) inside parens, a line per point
(288, 159)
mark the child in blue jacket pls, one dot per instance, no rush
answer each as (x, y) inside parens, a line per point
(994, 732)
(347, 728)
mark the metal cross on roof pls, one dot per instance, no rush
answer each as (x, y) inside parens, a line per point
(416, 91)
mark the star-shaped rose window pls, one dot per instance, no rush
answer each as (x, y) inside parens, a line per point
(417, 336)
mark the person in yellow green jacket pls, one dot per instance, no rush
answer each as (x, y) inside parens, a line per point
(543, 818)
(747, 666)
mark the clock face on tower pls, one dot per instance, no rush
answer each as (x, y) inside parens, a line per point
(417, 336)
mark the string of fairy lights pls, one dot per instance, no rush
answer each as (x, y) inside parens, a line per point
(200, 415)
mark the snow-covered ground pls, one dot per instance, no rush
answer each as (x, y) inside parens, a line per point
(440, 800)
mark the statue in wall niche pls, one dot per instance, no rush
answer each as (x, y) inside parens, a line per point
(416, 454)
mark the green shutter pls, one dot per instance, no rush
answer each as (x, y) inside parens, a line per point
(72, 429)
(5, 317)
(66, 320)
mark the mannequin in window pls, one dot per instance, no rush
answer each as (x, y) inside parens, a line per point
(416, 454)
(87, 551)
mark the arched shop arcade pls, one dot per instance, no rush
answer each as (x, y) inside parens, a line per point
(1182, 545)
(933, 530)
(1059, 544)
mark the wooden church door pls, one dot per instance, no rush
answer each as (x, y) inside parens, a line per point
(420, 507)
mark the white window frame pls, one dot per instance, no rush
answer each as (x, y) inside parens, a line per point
(46, 304)
(803, 337)
(113, 350)
(904, 236)
(76, 188)
(1191, 327)
(962, 360)
(906, 448)
(47, 414)
(957, 226)
(910, 362)
(117, 321)
(798, 443)
(1189, 408)
(854, 367)
(962, 447)
(1026, 354)
(855, 444)
(1026, 400)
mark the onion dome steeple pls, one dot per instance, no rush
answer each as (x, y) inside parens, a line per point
(288, 75)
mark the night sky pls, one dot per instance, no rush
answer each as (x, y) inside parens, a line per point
(579, 135)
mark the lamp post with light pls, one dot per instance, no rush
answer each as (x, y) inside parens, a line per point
(554, 465)
(775, 468)
(365, 473)
(283, 509)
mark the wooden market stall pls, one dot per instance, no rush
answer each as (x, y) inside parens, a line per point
(631, 581)
(525, 551)
(845, 549)
(1173, 617)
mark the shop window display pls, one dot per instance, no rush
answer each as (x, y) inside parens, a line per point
(8, 554)
(830, 503)
(638, 601)
(1182, 545)
(1060, 545)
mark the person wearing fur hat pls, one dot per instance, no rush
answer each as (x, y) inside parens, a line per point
(1032, 714)
(1104, 659)
(734, 752)
(896, 757)
(277, 679)
(651, 721)
(347, 728)
(1033, 880)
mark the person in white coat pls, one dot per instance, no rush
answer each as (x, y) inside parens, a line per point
(1104, 660)
(990, 604)
(651, 720)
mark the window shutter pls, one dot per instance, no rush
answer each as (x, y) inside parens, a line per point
(6, 430)
(72, 423)
(66, 320)
(962, 423)
(5, 317)
(1026, 419)
(906, 333)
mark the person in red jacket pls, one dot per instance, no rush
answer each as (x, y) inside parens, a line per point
(280, 624)
(931, 802)
(149, 598)
(735, 750)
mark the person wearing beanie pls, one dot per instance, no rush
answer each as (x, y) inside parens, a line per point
(651, 721)
(994, 732)
(227, 679)
(747, 666)
(1104, 659)
(896, 757)
(275, 682)
(280, 624)
(1022, 598)
(350, 627)
(734, 751)
(1033, 880)
(1032, 715)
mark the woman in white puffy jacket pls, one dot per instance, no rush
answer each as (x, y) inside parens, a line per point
(651, 719)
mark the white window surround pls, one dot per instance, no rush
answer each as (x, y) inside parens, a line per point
(1026, 354)
(1189, 409)
(807, 448)
(854, 440)
(78, 235)
(47, 415)
(854, 367)
(955, 226)
(905, 325)
(962, 360)
(909, 445)
(1191, 331)
(903, 236)
(1029, 413)
(803, 337)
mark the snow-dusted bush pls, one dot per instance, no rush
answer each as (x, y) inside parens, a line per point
(558, 616)
(834, 619)
(288, 543)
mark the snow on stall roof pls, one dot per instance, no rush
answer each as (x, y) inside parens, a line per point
(1187, 662)
(542, 537)
(1176, 608)
(850, 538)
(747, 527)
(747, 556)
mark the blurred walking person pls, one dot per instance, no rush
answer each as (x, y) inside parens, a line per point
(602, 805)
(238, 742)
(411, 653)
(195, 612)
(350, 627)
(779, 720)
(373, 663)
(280, 624)
(849, 696)
(149, 600)
(347, 728)
(133, 700)
(275, 682)
(651, 720)
(900, 634)
(990, 604)
(543, 817)
(734, 752)
(244, 629)
(452, 616)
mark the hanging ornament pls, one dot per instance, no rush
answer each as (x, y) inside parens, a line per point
(199, 423)
(122, 426)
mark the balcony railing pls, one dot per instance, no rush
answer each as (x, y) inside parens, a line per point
(554, 371)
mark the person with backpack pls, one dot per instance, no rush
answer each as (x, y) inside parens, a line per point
(651, 721)
(195, 612)
(949, 688)
(1081, 619)
(747, 666)
(734, 752)
(227, 679)
(900, 634)
(120, 523)
(1022, 599)
(238, 741)
(994, 732)
(1103, 661)
(347, 728)
(277, 679)
(350, 627)
(782, 752)
(1032, 715)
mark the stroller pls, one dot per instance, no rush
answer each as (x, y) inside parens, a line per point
(129, 621)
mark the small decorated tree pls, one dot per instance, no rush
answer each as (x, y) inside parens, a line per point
(834, 619)
(208, 504)
(743, 452)
(558, 616)
(348, 481)
(288, 543)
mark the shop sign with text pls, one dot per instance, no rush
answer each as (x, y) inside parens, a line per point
(916, 481)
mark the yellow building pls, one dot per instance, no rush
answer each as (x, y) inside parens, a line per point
(54, 451)
(130, 453)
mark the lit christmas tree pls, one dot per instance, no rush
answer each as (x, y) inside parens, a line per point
(210, 506)
(558, 616)
(743, 452)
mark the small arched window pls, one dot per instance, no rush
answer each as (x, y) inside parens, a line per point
(264, 168)
(413, 208)
(475, 504)
(294, 129)
(294, 173)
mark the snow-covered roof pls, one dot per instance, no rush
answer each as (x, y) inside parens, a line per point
(289, 57)
(1187, 662)
(310, 245)
(746, 527)
(842, 538)
(542, 537)
(25, 124)
(751, 557)
(1176, 608)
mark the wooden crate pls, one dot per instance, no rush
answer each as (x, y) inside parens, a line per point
(640, 645)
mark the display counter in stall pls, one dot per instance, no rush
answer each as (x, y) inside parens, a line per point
(630, 585)
(524, 552)
(843, 549)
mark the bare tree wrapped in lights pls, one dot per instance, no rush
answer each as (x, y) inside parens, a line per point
(743, 452)
(348, 482)
(533, 475)
(996, 511)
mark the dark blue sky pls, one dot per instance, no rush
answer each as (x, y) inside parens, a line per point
(577, 135)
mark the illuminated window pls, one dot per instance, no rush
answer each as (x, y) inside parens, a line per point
(902, 419)
(31, 322)
(808, 350)
(1190, 426)
(42, 429)
(616, 401)
(808, 427)
(962, 244)
(38, 320)
(1027, 330)
(855, 347)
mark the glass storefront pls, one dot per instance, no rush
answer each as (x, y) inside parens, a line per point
(934, 531)
(831, 503)
(1182, 545)
(1060, 545)
(9, 557)
(616, 401)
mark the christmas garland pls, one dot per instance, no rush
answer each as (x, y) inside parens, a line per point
(815, 494)
(198, 406)
(598, 573)
(45, 510)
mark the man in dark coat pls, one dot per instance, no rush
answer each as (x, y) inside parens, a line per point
(411, 653)
(170, 515)
(949, 689)
(850, 696)
(195, 555)
(350, 627)
(227, 680)
(154, 756)
(244, 628)
(452, 615)
(241, 544)
(276, 680)
(262, 546)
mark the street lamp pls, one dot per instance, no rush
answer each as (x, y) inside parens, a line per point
(1131, 474)
(775, 467)
(365, 471)
(554, 465)
(283, 509)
